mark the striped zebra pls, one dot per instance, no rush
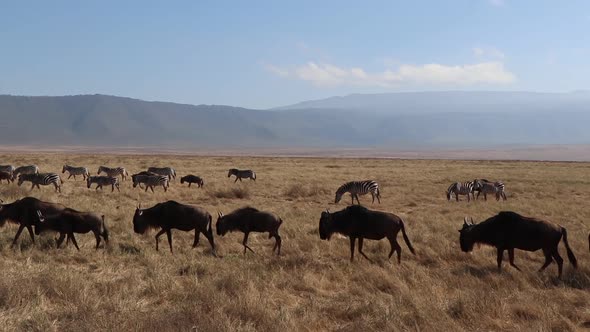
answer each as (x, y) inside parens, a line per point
(113, 172)
(103, 181)
(166, 171)
(241, 174)
(150, 181)
(487, 187)
(356, 188)
(43, 179)
(75, 171)
(7, 169)
(30, 169)
(460, 188)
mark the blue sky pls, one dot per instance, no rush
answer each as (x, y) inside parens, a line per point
(263, 54)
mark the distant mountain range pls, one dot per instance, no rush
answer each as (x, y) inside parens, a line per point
(395, 120)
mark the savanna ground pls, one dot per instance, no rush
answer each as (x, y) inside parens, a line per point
(312, 285)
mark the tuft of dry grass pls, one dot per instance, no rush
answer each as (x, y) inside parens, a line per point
(312, 285)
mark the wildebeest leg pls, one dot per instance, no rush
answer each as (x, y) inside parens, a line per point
(511, 259)
(500, 256)
(277, 242)
(97, 236)
(352, 239)
(245, 241)
(197, 236)
(71, 235)
(548, 259)
(20, 229)
(162, 231)
(361, 249)
(189, 184)
(60, 240)
(169, 235)
(32, 187)
(558, 260)
(395, 247)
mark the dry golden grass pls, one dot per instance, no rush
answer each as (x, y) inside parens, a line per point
(312, 286)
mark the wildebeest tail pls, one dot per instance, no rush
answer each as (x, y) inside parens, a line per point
(105, 231)
(406, 239)
(570, 253)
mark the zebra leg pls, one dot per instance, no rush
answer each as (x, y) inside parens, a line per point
(236, 179)
(378, 198)
(152, 188)
(74, 177)
(70, 176)
(119, 190)
(189, 184)
(32, 187)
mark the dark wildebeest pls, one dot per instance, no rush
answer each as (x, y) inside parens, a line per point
(358, 222)
(190, 179)
(247, 220)
(142, 173)
(6, 176)
(241, 174)
(70, 221)
(24, 213)
(173, 215)
(508, 231)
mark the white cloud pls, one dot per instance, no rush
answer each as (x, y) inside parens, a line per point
(497, 2)
(276, 70)
(488, 52)
(323, 74)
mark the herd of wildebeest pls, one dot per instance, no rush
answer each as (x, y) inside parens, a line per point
(505, 231)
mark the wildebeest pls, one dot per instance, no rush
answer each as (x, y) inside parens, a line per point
(165, 171)
(190, 179)
(6, 176)
(70, 221)
(24, 213)
(241, 174)
(103, 181)
(173, 215)
(247, 220)
(358, 222)
(509, 230)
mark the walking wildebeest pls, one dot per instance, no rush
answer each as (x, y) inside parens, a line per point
(358, 222)
(173, 215)
(190, 179)
(247, 220)
(70, 221)
(6, 176)
(509, 230)
(24, 213)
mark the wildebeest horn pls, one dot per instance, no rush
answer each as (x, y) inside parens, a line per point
(472, 221)
(465, 221)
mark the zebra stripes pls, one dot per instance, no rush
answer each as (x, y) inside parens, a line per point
(150, 181)
(30, 169)
(241, 174)
(75, 171)
(460, 188)
(356, 188)
(113, 172)
(42, 179)
(486, 187)
(166, 171)
(103, 181)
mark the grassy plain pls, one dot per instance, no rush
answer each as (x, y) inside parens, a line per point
(312, 286)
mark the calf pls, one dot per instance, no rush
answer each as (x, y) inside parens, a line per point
(173, 215)
(509, 230)
(70, 221)
(358, 222)
(190, 179)
(247, 220)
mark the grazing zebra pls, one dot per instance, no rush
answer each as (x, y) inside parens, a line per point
(356, 188)
(190, 179)
(460, 188)
(486, 187)
(113, 172)
(151, 181)
(31, 169)
(103, 181)
(43, 179)
(75, 171)
(241, 174)
(166, 171)
(7, 169)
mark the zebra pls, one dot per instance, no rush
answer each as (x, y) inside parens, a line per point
(150, 181)
(166, 171)
(113, 172)
(103, 181)
(486, 187)
(241, 174)
(460, 188)
(30, 169)
(7, 169)
(75, 171)
(43, 179)
(356, 188)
